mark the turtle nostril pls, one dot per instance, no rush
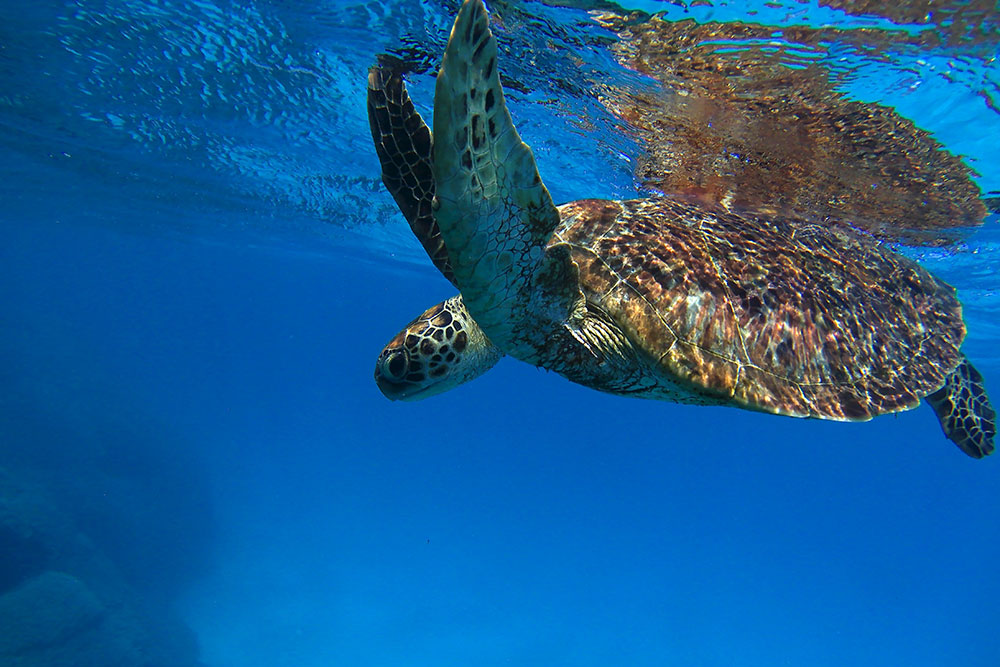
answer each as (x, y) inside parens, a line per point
(394, 365)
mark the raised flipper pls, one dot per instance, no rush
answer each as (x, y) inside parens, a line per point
(494, 213)
(403, 143)
(964, 409)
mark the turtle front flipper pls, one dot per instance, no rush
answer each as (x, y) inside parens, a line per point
(403, 143)
(493, 211)
(964, 409)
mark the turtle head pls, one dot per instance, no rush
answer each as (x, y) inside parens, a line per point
(441, 349)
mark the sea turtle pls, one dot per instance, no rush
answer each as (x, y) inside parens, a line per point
(661, 298)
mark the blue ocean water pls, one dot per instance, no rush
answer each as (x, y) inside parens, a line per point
(199, 266)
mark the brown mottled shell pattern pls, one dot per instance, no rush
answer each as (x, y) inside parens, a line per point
(776, 315)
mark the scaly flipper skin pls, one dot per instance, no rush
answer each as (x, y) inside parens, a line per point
(404, 144)
(494, 213)
(967, 418)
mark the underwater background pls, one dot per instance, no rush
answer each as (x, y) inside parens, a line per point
(199, 266)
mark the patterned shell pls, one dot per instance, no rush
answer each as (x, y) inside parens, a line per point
(780, 316)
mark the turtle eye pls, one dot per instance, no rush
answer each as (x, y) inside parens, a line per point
(394, 365)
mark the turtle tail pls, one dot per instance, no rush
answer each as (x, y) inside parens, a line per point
(967, 417)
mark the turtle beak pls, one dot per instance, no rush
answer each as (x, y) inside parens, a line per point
(397, 392)
(391, 391)
(404, 391)
(394, 391)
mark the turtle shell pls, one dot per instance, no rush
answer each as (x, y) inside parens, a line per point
(781, 316)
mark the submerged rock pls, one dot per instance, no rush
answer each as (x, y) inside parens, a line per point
(44, 614)
(65, 601)
(103, 521)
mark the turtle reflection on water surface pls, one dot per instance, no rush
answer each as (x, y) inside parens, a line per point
(660, 298)
(754, 117)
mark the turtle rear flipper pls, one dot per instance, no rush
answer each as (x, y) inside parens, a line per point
(967, 417)
(404, 145)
